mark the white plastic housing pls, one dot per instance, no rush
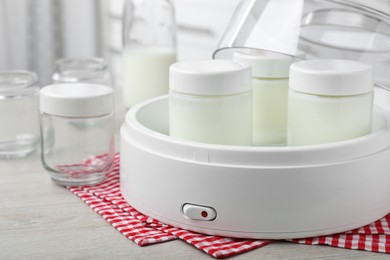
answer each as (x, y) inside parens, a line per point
(256, 192)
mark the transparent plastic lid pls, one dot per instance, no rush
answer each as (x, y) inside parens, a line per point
(314, 29)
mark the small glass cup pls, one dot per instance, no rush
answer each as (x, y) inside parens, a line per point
(82, 70)
(77, 127)
(19, 113)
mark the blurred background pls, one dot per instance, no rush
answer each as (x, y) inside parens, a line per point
(35, 33)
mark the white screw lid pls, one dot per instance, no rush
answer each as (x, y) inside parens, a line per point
(331, 77)
(76, 100)
(210, 77)
(265, 64)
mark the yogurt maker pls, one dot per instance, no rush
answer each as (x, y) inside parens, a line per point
(271, 192)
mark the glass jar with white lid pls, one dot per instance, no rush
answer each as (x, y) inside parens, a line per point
(329, 101)
(210, 101)
(77, 127)
(270, 72)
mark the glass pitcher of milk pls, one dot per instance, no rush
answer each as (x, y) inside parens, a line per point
(149, 48)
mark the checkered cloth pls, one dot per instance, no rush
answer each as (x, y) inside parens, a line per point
(106, 200)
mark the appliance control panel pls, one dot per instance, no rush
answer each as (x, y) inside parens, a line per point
(197, 212)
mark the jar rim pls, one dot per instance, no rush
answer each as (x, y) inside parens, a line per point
(79, 68)
(17, 82)
(88, 64)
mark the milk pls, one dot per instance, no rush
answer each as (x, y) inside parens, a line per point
(270, 72)
(269, 111)
(316, 120)
(145, 73)
(215, 120)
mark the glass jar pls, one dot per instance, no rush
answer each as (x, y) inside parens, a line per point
(269, 89)
(329, 101)
(77, 126)
(19, 113)
(82, 70)
(210, 101)
(149, 48)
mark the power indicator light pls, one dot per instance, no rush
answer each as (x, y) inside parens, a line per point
(197, 212)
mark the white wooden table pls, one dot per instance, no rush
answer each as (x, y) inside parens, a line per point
(40, 220)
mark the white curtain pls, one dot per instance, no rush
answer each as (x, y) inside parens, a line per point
(34, 33)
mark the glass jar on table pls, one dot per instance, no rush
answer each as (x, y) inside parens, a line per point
(19, 113)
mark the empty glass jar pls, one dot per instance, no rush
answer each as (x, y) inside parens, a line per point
(19, 113)
(77, 125)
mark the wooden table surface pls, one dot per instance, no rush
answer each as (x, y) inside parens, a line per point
(40, 220)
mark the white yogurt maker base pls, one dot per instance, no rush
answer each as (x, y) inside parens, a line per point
(255, 192)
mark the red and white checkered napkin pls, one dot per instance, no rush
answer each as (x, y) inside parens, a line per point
(374, 237)
(107, 201)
